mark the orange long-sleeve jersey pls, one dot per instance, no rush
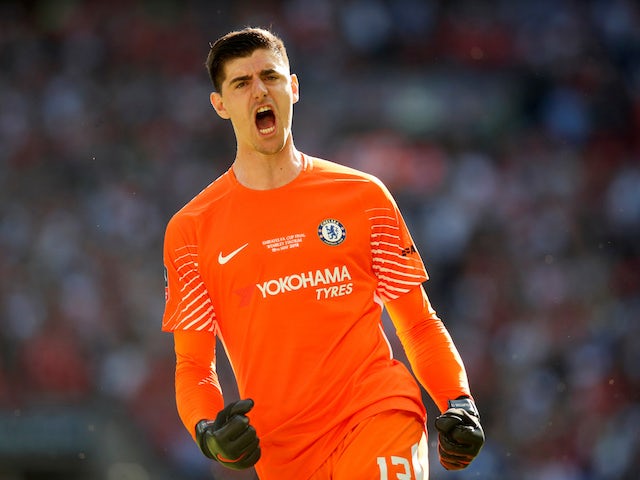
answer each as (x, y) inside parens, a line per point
(293, 281)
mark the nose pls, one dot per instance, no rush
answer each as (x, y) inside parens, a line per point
(259, 89)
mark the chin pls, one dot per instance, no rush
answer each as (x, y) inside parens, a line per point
(271, 146)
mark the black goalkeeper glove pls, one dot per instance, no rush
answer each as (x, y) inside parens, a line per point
(460, 435)
(230, 439)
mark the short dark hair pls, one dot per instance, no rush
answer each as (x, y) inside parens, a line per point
(238, 44)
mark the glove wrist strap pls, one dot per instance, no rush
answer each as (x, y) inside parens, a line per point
(201, 428)
(465, 403)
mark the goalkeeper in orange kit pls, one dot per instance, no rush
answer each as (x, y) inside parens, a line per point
(289, 260)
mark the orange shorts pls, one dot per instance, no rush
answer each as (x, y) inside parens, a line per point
(388, 446)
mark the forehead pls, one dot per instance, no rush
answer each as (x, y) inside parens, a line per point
(260, 60)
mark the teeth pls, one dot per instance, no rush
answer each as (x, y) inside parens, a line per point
(265, 131)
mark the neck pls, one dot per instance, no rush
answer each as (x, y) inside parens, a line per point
(259, 171)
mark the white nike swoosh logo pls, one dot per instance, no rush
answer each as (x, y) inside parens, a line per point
(222, 259)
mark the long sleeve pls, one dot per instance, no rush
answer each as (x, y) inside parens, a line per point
(198, 392)
(429, 348)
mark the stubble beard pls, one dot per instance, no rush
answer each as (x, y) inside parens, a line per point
(273, 146)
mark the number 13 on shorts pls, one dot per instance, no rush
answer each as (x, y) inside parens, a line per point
(400, 468)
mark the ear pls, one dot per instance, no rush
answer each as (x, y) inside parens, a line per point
(216, 102)
(295, 88)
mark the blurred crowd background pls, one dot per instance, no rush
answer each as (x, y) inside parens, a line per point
(509, 132)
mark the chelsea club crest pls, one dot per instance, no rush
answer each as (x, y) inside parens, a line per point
(331, 232)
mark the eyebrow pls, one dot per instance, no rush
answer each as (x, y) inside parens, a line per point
(244, 78)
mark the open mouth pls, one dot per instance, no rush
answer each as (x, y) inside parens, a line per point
(265, 120)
